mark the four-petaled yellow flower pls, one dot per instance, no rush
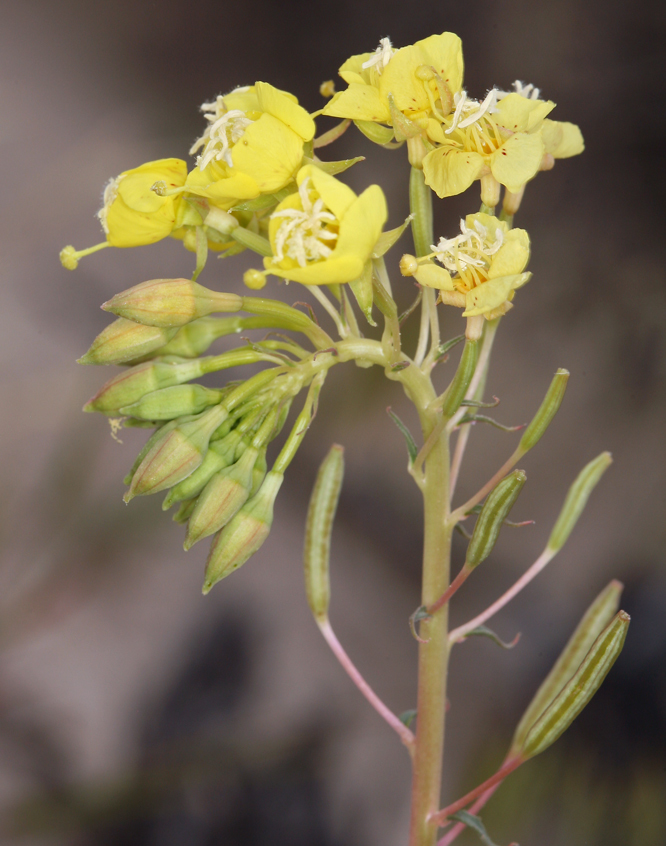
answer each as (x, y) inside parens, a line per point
(253, 145)
(324, 233)
(138, 206)
(482, 267)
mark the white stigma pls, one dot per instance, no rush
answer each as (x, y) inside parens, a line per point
(464, 106)
(381, 57)
(472, 247)
(110, 194)
(226, 128)
(302, 234)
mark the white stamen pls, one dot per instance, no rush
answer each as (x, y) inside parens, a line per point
(487, 107)
(110, 194)
(471, 248)
(524, 89)
(302, 233)
(381, 57)
(225, 129)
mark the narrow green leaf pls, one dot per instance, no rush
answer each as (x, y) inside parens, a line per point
(407, 717)
(482, 418)
(484, 631)
(442, 349)
(478, 404)
(475, 824)
(412, 449)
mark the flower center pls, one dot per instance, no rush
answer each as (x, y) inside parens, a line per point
(381, 57)
(302, 234)
(468, 255)
(226, 128)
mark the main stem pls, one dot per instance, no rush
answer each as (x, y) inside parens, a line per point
(433, 654)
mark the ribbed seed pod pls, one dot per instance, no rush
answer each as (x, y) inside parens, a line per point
(455, 393)
(124, 340)
(577, 498)
(595, 619)
(175, 401)
(547, 410)
(318, 529)
(494, 512)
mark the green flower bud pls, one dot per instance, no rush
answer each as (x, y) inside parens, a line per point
(494, 512)
(176, 401)
(132, 384)
(577, 498)
(318, 529)
(259, 472)
(157, 436)
(183, 513)
(455, 393)
(220, 454)
(596, 618)
(548, 409)
(580, 688)
(125, 340)
(223, 496)
(245, 534)
(177, 455)
(170, 302)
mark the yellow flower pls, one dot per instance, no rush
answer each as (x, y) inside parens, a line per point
(253, 144)
(133, 213)
(482, 267)
(324, 233)
(419, 78)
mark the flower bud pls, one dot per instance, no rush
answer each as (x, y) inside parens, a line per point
(580, 688)
(577, 498)
(245, 534)
(455, 393)
(183, 513)
(547, 410)
(494, 512)
(125, 340)
(177, 455)
(596, 618)
(135, 382)
(175, 401)
(161, 432)
(408, 265)
(220, 454)
(259, 472)
(254, 279)
(194, 338)
(318, 529)
(170, 302)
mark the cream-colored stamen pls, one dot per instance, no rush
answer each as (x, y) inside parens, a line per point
(381, 57)
(110, 194)
(302, 234)
(472, 248)
(226, 129)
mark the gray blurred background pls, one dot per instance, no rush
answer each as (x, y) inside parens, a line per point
(135, 711)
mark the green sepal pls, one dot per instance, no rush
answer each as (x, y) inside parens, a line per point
(333, 168)
(361, 288)
(265, 201)
(376, 132)
(387, 239)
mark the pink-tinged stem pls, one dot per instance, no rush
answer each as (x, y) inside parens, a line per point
(508, 767)
(405, 734)
(462, 631)
(458, 828)
(448, 593)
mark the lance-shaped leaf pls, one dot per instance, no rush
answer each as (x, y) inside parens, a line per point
(593, 622)
(580, 688)
(475, 823)
(412, 449)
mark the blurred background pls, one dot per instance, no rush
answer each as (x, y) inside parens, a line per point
(135, 711)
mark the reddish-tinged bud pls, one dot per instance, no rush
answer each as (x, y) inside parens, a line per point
(125, 340)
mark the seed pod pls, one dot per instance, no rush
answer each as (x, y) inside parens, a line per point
(577, 498)
(170, 302)
(132, 384)
(223, 496)
(595, 619)
(578, 691)
(494, 512)
(245, 534)
(124, 340)
(455, 393)
(547, 410)
(220, 454)
(318, 529)
(176, 455)
(168, 403)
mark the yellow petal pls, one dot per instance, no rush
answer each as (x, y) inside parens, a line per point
(362, 225)
(520, 114)
(517, 160)
(285, 108)
(562, 140)
(335, 194)
(433, 276)
(353, 71)
(443, 53)
(135, 185)
(269, 152)
(489, 221)
(225, 192)
(328, 272)
(399, 80)
(512, 256)
(449, 170)
(130, 228)
(492, 294)
(358, 102)
(244, 99)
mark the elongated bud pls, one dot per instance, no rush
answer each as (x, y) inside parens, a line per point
(494, 512)
(176, 401)
(594, 621)
(547, 410)
(577, 498)
(177, 455)
(220, 454)
(183, 513)
(318, 529)
(157, 436)
(580, 688)
(245, 534)
(223, 496)
(259, 471)
(125, 340)
(170, 302)
(455, 393)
